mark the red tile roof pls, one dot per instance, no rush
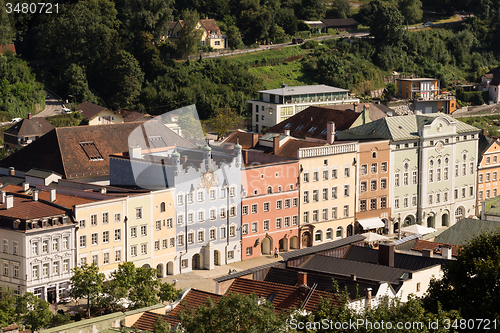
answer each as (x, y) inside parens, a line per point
(71, 151)
(148, 319)
(210, 25)
(245, 139)
(64, 200)
(421, 245)
(36, 126)
(287, 297)
(90, 110)
(291, 147)
(25, 208)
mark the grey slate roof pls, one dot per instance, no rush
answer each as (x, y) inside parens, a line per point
(38, 173)
(363, 270)
(299, 90)
(465, 229)
(399, 128)
(248, 271)
(401, 260)
(323, 247)
(492, 206)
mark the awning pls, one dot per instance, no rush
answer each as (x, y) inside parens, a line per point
(371, 223)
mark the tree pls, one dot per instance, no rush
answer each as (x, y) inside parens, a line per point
(392, 89)
(189, 35)
(87, 283)
(161, 326)
(343, 8)
(233, 37)
(8, 312)
(7, 33)
(411, 11)
(470, 283)
(191, 128)
(36, 312)
(60, 318)
(386, 25)
(233, 313)
(145, 289)
(168, 292)
(223, 120)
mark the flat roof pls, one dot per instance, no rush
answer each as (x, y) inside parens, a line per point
(301, 90)
(420, 79)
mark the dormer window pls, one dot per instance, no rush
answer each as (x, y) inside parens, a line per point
(312, 129)
(288, 125)
(299, 127)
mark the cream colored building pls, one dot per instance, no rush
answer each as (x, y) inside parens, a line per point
(211, 36)
(164, 231)
(327, 192)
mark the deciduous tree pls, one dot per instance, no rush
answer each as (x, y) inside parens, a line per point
(343, 8)
(189, 35)
(87, 283)
(7, 33)
(36, 312)
(223, 120)
(411, 11)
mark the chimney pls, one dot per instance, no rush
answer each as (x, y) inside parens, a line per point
(386, 254)
(353, 276)
(330, 132)
(368, 297)
(276, 144)
(283, 85)
(2, 196)
(52, 194)
(366, 113)
(245, 156)
(35, 195)
(427, 253)
(30, 116)
(26, 186)
(102, 190)
(302, 279)
(135, 152)
(12, 171)
(287, 132)
(255, 139)
(9, 201)
(446, 251)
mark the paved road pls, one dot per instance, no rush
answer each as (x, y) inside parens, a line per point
(53, 107)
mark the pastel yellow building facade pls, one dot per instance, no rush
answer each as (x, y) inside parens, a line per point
(327, 192)
(211, 36)
(106, 117)
(139, 228)
(164, 231)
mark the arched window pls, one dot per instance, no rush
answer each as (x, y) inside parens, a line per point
(407, 166)
(446, 160)
(459, 213)
(431, 163)
(439, 162)
(464, 157)
(318, 236)
(162, 207)
(339, 233)
(374, 154)
(329, 234)
(269, 189)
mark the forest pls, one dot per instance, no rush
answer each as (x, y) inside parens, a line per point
(109, 52)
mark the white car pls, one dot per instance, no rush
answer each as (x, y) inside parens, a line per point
(428, 24)
(66, 110)
(15, 120)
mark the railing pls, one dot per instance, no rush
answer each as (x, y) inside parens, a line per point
(327, 150)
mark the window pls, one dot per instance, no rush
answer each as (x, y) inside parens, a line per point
(396, 203)
(306, 196)
(35, 272)
(346, 190)
(105, 258)
(158, 225)
(430, 199)
(362, 187)
(266, 225)
(266, 206)
(364, 169)
(471, 191)
(16, 246)
(200, 196)
(334, 173)
(325, 174)
(94, 239)
(212, 194)
(201, 216)
(373, 185)
(480, 180)
(83, 261)
(306, 217)
(374, 168)
(405, 178)
(118, 255)
(83, 241)
(464, 192)
(396, 179)
(6, 268)
(487, 177)
(45, 246)
(295, 220)
(180, 221)
(254, 209)
(438, 197)
(279, 204)
(329, 233)
(373, 203)
(295, 202)
(362, 205)
(480, 195)
(347, 172)
(315, 176)
(315, 215)
(431, 176)
(162, 206)
(222, 212)
(488, 160)
(232, 231)
(279, 223)
(445, 173)
(144, 249)
(471, 168)
(318, 236)
(117, 217)
(82, 224)
(339, 232)
(456, 193)
(249, 251)
(306, 177)
(165, 243)
(138, 213)
(383, 166)
(133, 250)
(244, 210)
(45, 270)
(133, 232)
(5, 246)
(487, 194)
(445, 196)
(456, 170)
(190, 239)
(287, 203)
(438, 175)
(334, 192)
(494, 192)
(223, 232)
(495, 176)
(315, 196)
(346, 210)
(185, 262)
(212, 234)
(93, 220)
(334, 213)
(383, 202)
(414, 200)
(105, 236)
(230, 254)
(105, 218)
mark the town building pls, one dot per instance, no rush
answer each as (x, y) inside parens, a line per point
(432, 167)
(99, 115)
(373, 210)
(276, 105)
(491, 82)
(211, 34)
(488, 170)
(341, 24)
(426, 96)
(26, 131)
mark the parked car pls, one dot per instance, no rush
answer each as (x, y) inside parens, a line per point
(297, 41)
(428, 24)
(66, 110)
(15, 120)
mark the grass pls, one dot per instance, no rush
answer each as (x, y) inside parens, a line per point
(289, 73)
(272, 55)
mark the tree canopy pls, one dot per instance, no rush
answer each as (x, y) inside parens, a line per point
(87, 283)
(411, 10)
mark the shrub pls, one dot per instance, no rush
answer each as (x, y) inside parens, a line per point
(310, 44)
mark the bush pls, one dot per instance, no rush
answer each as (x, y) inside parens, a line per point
(310, 44)
(474, 97)
(207, 49)
(392, 89)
